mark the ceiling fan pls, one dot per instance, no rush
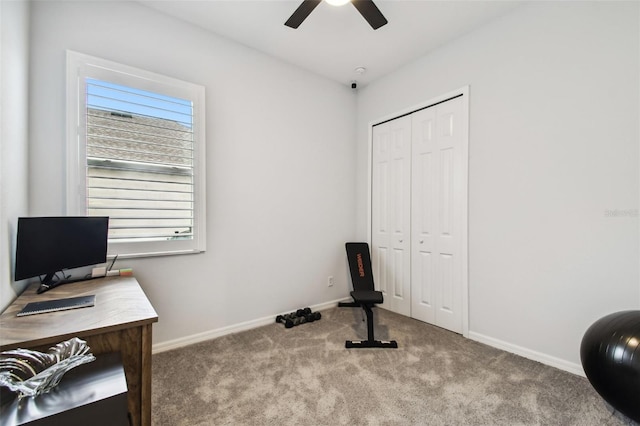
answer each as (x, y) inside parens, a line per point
(367, 9)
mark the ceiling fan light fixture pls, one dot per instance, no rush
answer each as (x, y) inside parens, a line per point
(337, 2)
(367, 9)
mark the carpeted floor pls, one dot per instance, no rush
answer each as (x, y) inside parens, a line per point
(305, 376)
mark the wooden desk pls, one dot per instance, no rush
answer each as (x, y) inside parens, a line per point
(121, 321)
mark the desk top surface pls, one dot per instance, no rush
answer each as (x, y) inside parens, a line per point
(120, 303)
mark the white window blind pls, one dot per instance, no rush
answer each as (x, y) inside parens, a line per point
(139, 166)
(138, 161)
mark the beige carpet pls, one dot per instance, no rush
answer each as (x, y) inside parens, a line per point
(305, 376)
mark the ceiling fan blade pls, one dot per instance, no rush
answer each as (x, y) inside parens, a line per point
(370, 12)
(301, 13)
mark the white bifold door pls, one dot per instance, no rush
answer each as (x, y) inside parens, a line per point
(418, 212)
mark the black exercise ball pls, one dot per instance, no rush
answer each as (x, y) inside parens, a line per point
(610, 355)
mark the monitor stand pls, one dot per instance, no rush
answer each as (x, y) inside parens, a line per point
(47, 283)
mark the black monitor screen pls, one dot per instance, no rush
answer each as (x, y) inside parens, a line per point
(46, 245)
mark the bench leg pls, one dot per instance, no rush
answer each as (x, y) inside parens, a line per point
(370, 342)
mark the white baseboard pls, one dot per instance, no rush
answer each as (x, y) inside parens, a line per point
(235, 328)
(529, 354)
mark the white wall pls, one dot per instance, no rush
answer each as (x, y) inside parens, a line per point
(280, 155)
(554, 131)
(14, 72)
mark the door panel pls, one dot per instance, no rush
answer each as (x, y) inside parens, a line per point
(451, 201)
(436, 192)
(391, 213)
(424, 171)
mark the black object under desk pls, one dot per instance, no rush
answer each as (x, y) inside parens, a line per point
(90, 394)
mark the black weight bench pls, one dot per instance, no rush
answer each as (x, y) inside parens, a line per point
(364, 294)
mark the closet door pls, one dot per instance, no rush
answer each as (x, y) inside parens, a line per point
(437, 203)
(391, 213)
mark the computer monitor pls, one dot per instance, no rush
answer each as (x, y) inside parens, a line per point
(48, 245)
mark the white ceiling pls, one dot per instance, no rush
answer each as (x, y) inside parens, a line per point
(334, 41)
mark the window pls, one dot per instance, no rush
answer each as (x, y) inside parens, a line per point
(136, 154)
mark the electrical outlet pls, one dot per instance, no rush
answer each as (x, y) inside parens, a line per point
(330, 281)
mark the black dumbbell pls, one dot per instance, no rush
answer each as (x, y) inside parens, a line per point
(290, 316)
(303, 312)
(288, 323)
(312, 316)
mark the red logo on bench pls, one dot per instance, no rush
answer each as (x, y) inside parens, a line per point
(360, 264)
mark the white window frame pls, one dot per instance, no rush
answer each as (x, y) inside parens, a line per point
(80, 67)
